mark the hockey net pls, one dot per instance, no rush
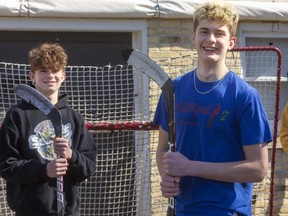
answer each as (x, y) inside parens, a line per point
(118, 105)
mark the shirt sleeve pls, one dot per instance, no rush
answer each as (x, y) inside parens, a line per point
(254, 124)
(14, 167)
(83, 162)
(284, 129)
(160, 117)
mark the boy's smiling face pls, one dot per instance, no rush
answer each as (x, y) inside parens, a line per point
(212, 41)
(47, 81)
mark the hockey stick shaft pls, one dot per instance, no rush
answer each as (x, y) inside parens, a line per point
(34, 97)
(168, 91)
(147, 66)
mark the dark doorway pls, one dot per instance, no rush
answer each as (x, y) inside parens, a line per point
(83, 48)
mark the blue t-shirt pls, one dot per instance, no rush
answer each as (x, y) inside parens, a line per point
(214, 127)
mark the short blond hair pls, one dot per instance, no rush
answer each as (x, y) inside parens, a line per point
(221, 11)
(47, 55)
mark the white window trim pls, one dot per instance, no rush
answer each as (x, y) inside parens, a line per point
(138, 27)
(261, 30)
(139, 41)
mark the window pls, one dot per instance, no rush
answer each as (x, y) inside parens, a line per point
(268, 34)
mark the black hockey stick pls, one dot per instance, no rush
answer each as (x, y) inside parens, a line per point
(34, 97)
(147, 66)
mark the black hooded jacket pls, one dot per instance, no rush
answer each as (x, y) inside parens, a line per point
(26, 148)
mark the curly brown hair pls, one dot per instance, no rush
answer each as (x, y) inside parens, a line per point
(47, 55)
(221, 11)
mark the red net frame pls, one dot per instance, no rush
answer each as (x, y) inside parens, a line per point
(113, 123)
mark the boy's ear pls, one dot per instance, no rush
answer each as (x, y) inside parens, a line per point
(64, 75)
(232, 42)
(31, 75)
(193, 38)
